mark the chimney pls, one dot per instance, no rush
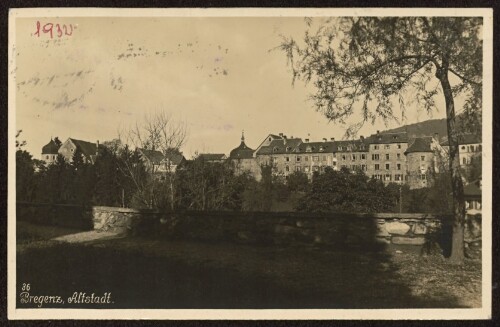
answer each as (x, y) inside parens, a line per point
(281, 134)
(332, 139)
(324, 139)
(284, 136)
(306, 141)
(97, 147)
(378, 132)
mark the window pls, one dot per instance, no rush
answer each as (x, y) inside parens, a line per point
(298, 158)
(297, 168)
(275, 149)
(387, 156)
(306, 169)
(377, 167)
(387, 146)
(270, 139)
(353, 157)
(422, 158)
(376, 147)
(463, 147)
(398, 156)
(321, 148)
(288, 148)
(343, 157)
(47, 157)
(399, 146)
(388, 177)
(308, 149)
(363, 167)
(423, 177)
(315, 158)
(334, 163)
(363, 156)
(398, 166)
(340, 148)
(375, 156)
(287, 159)
(287, 168)
(324, 158)
(398, 177)
(315, 168)
(306, 158)
(464, 161)
(387, 166)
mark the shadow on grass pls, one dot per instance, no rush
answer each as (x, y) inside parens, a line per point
(303, 278)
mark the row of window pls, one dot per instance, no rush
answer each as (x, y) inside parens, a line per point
(472, 148)
(386, 146)
(388, 177)
(387, 166)
(376, 156)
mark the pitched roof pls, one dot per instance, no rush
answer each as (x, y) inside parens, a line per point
(280, 146)
(175, 158)
(473, 189)
(155, 157)
(50, 148)
(466, 139)
(420, 144)
(87, 148)
(241, 152)
(316, 147)
(386, 138)
(212, 156)
(360, 145)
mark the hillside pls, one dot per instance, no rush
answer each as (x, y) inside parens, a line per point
(426, 128)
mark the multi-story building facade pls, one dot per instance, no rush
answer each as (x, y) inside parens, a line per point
(88, 150)
(422, 160)
(386, 159)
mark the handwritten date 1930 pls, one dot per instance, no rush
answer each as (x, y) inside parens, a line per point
(54, 30)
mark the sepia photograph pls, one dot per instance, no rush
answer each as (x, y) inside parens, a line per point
(183, 163)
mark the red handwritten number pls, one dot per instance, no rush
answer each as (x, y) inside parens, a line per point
(59, 30)
(37, 33)
(66, 31)
(47, 28)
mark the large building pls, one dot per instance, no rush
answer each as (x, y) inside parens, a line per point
(389, 157)
(51, 150)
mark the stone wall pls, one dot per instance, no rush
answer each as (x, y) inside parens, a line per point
(279, 228)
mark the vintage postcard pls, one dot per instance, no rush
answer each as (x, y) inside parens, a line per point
(250, 163)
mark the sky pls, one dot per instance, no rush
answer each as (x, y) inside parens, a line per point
(219, 75)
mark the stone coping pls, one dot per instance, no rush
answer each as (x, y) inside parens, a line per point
(299, 215)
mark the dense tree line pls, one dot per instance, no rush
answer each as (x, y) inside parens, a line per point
(201, 185)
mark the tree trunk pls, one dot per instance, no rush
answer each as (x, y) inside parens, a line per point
(457, 249)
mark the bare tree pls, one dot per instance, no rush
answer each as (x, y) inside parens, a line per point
(157, 132)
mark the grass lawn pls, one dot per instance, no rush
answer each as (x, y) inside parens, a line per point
(143, 273)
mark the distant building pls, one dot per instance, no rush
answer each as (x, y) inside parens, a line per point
(50, 152)
(470, 146)
(386, 159)
(422, 158)
(472, 195)
(213, 157)
(243, 160)
(88, 150)
(157, 162)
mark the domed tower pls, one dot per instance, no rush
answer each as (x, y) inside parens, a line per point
(50, 151)
(243, 159)
(242, 151)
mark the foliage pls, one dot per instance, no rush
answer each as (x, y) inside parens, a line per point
(298, 182)
(364, 64)
(204, 185)
(343, 191)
